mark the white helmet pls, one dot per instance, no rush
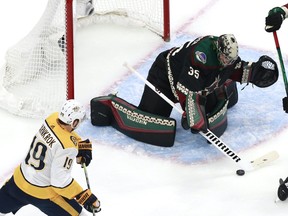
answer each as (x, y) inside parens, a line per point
(227, 47)
(71, 111)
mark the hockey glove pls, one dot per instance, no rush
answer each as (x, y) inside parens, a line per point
(89, 201)
(84, 152)
(262, 73)
(282, 190)
(274, 19)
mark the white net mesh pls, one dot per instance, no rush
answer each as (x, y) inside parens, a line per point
(34, 77)
(148, 13)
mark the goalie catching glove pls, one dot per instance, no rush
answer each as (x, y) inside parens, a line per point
(89, 201)
(84, 152)
(262, 73)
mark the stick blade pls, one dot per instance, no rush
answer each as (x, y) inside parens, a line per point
(265, 159)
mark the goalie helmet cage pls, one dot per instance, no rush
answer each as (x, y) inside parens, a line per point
(38, 74)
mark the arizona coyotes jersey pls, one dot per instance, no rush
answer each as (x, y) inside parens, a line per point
(195, 67)
(46, 170)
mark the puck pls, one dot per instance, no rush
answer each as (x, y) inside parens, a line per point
(240, 172)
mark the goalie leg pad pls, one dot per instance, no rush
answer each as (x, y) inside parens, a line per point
(217, 111)
(101, 113)
(217, 119)
(137, 124)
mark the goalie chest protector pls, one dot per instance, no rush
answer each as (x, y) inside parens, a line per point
(126, 118)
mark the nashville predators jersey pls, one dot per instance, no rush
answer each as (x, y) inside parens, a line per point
(46, 170)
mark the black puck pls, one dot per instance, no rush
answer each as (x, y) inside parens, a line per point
(240, 172)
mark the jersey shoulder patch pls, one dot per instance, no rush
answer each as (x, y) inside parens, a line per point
(204, 52)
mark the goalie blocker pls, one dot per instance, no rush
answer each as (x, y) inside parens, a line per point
(126, 118)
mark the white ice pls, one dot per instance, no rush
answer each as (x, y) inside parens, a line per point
(135, 184)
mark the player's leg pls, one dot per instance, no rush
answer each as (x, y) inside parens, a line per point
(216, 109)
(150, 101)
(153, 103)
(58, 206)
(10, 200)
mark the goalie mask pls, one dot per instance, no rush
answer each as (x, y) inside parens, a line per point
(72, 113)
(227, 48)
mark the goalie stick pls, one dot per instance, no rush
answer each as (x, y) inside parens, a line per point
(212, 138)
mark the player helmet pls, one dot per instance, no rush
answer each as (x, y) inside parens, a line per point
(227, 48)
(70, 112)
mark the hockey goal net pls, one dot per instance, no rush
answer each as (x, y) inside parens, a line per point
(38, 72)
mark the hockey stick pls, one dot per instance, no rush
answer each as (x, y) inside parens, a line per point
(87, 181)
(285, 99)
(211, 137)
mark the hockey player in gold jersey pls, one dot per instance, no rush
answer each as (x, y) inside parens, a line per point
(44, 178)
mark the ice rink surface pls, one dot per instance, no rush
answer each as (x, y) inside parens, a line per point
(191, 178)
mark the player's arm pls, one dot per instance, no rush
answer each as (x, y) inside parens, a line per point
(275, 18)
(61, 169)
(68, 187)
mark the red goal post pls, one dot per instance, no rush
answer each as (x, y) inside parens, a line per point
(38, 74)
